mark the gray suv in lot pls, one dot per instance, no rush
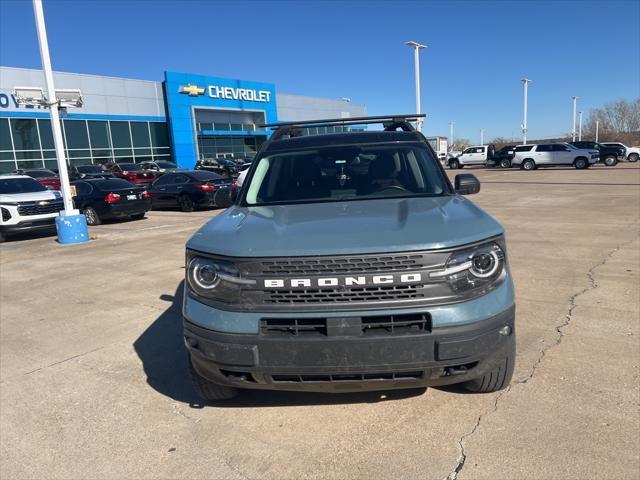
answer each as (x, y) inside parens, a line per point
(349, 262)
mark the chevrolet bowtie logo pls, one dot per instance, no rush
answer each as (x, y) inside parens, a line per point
(192, 90)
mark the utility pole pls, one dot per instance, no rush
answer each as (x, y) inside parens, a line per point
(450, 133)
(416, 59)
(481, 137)
(573, 130)
(597, 127)
(580, 131)
(525, 82)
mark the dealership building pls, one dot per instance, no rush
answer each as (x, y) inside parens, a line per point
(184, 118)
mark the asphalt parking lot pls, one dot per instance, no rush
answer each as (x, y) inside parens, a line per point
(94, 381)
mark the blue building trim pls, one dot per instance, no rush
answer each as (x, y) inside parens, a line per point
(83, 116)
(180, 108)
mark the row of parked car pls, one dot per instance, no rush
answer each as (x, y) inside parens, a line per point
(30, 198)
(581, 154)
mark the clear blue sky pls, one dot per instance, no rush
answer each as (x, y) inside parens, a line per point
(478, 51)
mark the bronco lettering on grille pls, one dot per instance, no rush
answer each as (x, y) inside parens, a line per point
(343, 281)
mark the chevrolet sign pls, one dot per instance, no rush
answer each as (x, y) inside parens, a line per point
(228, 93)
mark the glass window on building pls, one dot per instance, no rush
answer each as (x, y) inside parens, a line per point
(140, 134)
(222, 126)
(159, 134)
(120, 135)
(46, 134)
(6, 147)
(99, 133)
(25, 134)
(75, 132)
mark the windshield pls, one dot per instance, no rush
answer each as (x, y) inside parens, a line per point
(113, 184)
(20, 185)
(40, 173)
(89, 169)
(166, 165)
(346, 173)
(204, 176)
(134, 167)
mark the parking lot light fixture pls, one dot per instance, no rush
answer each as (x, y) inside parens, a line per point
(525, 83)
(573, 130)
(580, 127)
(416, 58)
(71, 226)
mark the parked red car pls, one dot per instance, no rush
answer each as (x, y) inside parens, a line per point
(133, 172)
(45, 177)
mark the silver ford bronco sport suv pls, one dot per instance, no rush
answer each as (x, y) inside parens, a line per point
(348, 262)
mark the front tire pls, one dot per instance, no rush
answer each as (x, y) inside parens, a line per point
(186, 203)
(581, 163)
(454, 164)
(92, 216)
(633, 157)
(528, 165)
(610, 161)
(505, 163)
(497, 378)
(209, 390)
(138, 216)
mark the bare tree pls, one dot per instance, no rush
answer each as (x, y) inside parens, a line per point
(617, 121)
(459, 144)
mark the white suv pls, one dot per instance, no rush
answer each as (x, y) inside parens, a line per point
(26, 205)
(530, 157)
(632, 153)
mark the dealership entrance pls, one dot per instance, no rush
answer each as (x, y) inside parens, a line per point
(228, 134)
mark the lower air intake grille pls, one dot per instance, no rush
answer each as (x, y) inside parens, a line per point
(396, 324)
(348, 377)
(293, 326)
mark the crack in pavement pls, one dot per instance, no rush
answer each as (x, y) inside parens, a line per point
(593, 284)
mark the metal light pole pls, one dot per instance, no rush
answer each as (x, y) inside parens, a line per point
(481, 137)
(573, 130)
(416, 58)
(597, 128)
(525, 82)
(450, 133)
(580, 131)
(73, 228)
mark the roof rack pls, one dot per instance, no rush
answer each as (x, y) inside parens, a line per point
(389, 122)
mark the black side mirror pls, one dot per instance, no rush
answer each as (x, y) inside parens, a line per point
(225, 197)
(467, 184)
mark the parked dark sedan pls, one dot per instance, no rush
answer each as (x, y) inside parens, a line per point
(162, 166)
(43, 176)
(108, 198)
(89, 171)
(189, 189)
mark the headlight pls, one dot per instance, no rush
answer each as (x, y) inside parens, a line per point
(214, 278)
(473, 269)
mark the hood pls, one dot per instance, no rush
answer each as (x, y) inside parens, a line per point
(31, 197)
(338, 228)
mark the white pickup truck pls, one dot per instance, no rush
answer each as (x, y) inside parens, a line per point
(474, 155)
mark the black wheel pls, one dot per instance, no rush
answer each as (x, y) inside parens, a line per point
(528, 164)
(186, 203)
(610, 161)
(92, 216)
(138, 216)
(633, 157)
(499, 377)
(581, 163)
(505, 163)
(454, 164)
(209, 390)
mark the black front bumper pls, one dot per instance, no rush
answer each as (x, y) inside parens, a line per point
(441, 356)
(28, 226)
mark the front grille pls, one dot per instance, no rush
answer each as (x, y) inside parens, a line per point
(336, 265)
(351, 294)
(403, 324)
(6, 215)
(348, 377)
(37, 209)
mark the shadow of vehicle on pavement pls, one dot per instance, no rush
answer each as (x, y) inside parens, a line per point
(165, 362)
